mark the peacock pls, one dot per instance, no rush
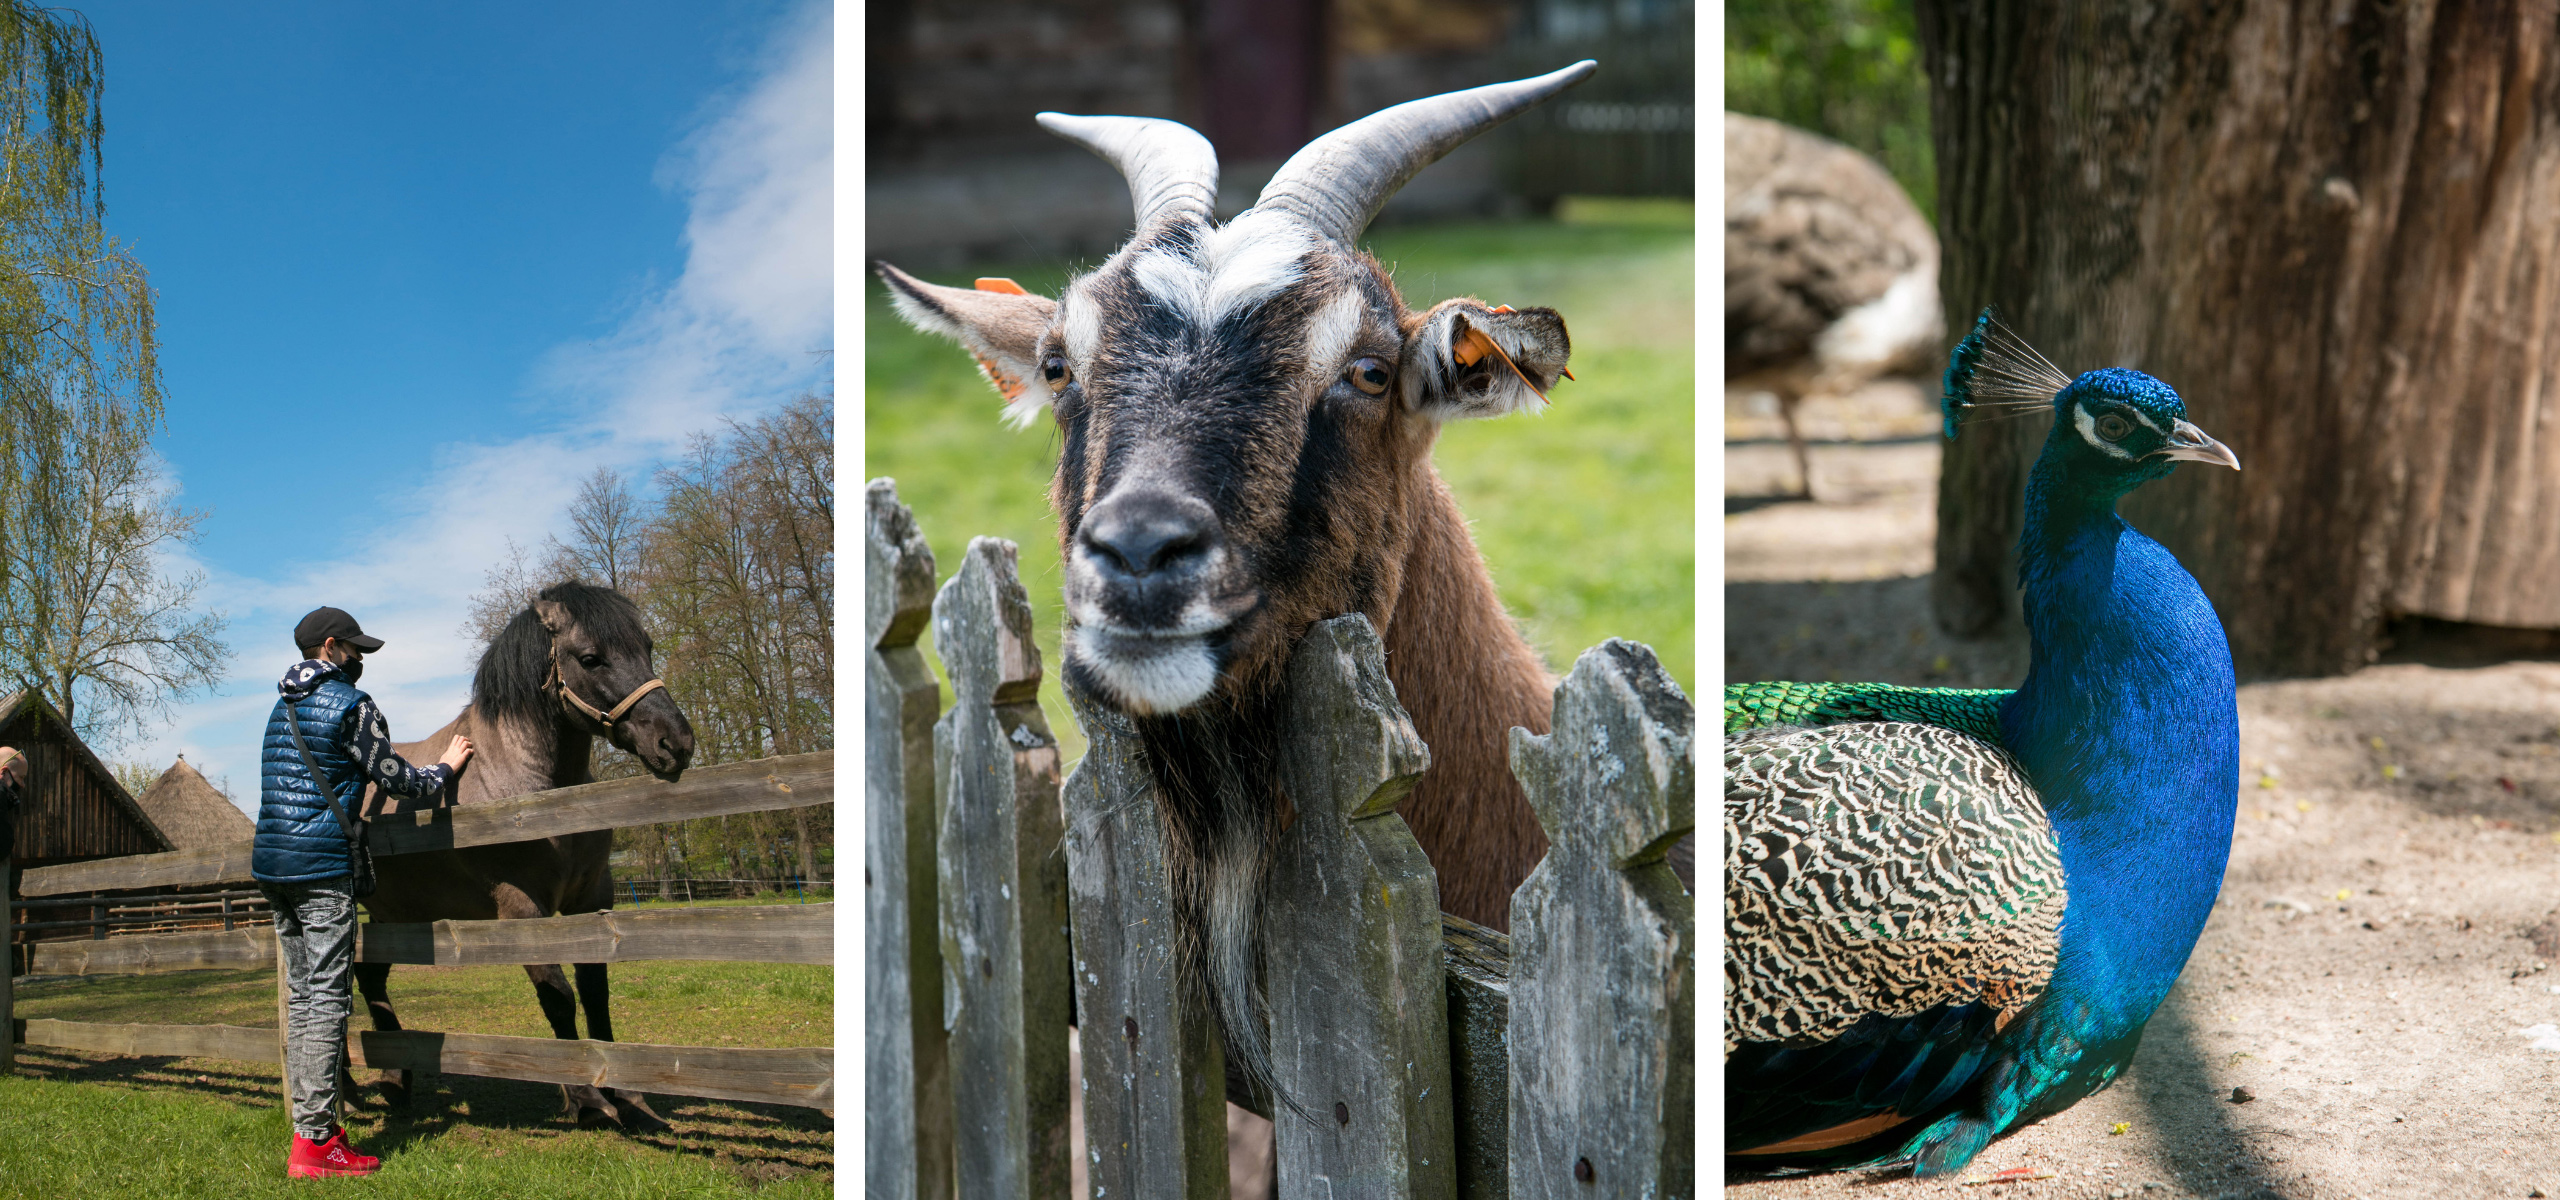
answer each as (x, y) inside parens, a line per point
(1949, 913)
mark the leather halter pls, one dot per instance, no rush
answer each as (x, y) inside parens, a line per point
(602, 717)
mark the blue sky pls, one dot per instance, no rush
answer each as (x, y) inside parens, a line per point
(421, 268)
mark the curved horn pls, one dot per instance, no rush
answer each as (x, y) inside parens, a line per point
(1170, 169)
(1339, 181)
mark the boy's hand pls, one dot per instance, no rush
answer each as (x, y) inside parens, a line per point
(456, 752)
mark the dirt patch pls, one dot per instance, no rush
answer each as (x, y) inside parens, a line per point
(2382, 973)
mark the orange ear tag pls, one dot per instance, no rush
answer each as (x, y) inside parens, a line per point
(990, 283)
(1476, 344)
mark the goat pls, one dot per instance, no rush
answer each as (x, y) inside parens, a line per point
(1246, 415)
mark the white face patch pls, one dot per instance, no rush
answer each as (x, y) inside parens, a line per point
(2087, 423)
(1337, 326)
(1081, 327)
(1242, 264)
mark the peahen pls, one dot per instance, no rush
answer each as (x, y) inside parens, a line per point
(1949, 913)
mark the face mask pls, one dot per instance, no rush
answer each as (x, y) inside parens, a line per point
(351, 671)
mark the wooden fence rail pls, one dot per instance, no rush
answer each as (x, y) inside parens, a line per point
(1417, 1055)
(784, 933)
(766, 784)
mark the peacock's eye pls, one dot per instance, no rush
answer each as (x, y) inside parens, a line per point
(1368, 375)
(2113, 427)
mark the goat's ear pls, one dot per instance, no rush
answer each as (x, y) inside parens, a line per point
(1466, 359)
(1000, 328)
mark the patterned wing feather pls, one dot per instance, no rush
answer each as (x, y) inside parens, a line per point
(1759, 705)
(1893, 897)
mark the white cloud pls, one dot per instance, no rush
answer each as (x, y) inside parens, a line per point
(741, 329)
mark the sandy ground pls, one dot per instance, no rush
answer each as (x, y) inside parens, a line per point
(2382, 973)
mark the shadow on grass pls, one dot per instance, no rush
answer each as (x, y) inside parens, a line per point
(762, 1141)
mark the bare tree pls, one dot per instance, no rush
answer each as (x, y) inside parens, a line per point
(89, 619)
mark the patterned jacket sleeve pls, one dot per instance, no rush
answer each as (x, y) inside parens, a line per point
(369, 741)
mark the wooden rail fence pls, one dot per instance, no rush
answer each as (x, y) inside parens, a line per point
(784, 933)
(1420, 1055)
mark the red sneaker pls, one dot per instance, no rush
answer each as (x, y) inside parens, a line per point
(320, 1160)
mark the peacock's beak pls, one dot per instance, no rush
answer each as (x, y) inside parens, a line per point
(2190, 444)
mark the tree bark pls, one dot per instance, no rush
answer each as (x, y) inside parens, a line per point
(2329, 227)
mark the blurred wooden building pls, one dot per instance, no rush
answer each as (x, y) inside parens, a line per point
(957, 171)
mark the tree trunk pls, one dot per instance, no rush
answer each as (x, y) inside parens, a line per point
(2333, 236)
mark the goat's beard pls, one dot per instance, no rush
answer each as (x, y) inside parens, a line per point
(1216, 770)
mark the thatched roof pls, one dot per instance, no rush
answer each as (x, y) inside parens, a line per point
(192, 812)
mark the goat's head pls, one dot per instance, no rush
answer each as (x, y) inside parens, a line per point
(1244, 409)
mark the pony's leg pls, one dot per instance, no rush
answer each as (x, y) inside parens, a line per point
(560, 1007)
(373, 979)
(597, 997)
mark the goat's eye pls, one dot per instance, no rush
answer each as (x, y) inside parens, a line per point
(1368, 375)
(1054, 369)
(2113, 427)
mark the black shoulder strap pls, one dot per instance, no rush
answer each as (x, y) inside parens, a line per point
(319, 777)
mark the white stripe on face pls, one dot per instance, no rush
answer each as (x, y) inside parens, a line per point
(2087, 423)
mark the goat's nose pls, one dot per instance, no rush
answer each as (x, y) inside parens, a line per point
(1144, 533)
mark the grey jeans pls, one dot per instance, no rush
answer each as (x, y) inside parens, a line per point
(316, 933)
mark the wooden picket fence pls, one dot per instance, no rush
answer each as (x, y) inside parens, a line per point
(1431, 1057)
(786, 933)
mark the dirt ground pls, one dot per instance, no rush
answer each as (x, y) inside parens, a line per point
(2382, 974)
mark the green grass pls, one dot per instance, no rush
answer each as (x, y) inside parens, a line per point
(74, 1127)
(1584, 512)
(167, 1128)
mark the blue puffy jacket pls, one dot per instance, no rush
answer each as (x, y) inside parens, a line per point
(299, 838)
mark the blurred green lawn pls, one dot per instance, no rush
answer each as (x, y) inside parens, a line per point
(1584, 512)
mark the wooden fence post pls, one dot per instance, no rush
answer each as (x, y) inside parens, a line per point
(8, 952)
(908, 1075)
(1003, 890)
(1603, 985)
(1155, 1119)
(1359, 1006)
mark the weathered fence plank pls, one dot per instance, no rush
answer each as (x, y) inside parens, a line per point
(1359, 1005)
(1003, 888)
(1603, 976)
(1154, 1084)
(908, 1115)
(777, 933)
(802, 1076)
(225, 949)
(235, 1042)
(766, 933)
(1478, 963)
(789, 781)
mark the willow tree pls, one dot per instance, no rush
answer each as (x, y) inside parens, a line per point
(2329, 225)
(86, 615)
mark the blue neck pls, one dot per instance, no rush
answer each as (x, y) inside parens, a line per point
(2128, 726)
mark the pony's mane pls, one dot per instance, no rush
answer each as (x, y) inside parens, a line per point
(508, 685)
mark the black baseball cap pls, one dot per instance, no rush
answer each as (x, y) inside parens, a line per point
(325, 623)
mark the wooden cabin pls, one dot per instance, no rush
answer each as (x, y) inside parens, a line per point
(73, 808)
